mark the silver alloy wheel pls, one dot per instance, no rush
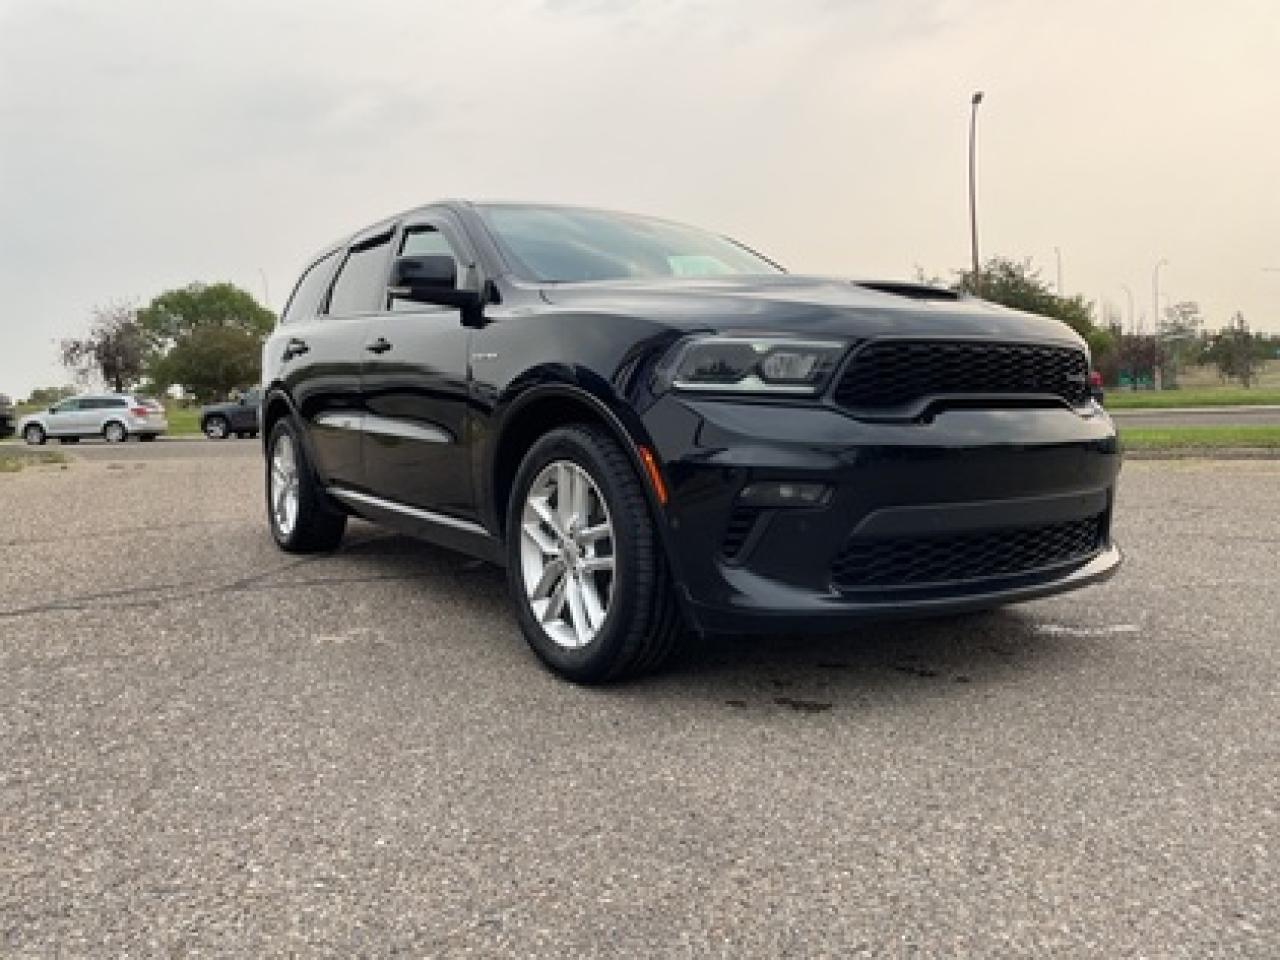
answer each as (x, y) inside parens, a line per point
(284, 485)
(215, 428)
(567, 553)
(114, 432)
(33, 435)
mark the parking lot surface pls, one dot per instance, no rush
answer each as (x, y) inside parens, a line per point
(213, 749)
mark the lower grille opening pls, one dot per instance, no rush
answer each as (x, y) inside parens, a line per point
(922, 561)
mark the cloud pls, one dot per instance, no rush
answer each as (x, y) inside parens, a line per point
(146, 144)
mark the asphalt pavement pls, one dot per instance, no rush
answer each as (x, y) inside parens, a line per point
(213, 749)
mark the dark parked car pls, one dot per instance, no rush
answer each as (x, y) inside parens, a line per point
(6, 417)
(218, 421)
(655, 428)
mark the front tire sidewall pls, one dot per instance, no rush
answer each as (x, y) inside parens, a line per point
(215, 428)
(115, 433)
(595, 661)
(34, 435)
(318, 526)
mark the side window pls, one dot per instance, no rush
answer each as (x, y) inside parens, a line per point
(307, 295)
(426, 242)
(362, 281)
(67, 406)
(116, 402)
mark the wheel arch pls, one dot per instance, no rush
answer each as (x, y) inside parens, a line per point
(276, 403)
(536, 412)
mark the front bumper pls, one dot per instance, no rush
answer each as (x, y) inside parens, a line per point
(916, 489)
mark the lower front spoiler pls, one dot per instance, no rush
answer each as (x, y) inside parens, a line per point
(839, 611)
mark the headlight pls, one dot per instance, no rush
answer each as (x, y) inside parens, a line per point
(767, 364)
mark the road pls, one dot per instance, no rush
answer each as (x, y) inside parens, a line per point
(1199, 417)
(212, 749)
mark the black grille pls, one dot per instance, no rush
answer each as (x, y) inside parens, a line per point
(918, 561)
(741, 520)
(889, 374)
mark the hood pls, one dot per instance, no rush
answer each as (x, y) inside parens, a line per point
(810, 305)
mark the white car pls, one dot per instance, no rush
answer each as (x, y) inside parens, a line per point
(113, 416)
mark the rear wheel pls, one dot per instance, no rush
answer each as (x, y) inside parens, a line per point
(34, 434)
(114, 432)
(302, 518)
(216, 428)
(585, 569)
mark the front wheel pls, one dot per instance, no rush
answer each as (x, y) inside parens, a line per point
(115, 432)
(34, 435)
(216, 428)
(585, 569)
(301, 517)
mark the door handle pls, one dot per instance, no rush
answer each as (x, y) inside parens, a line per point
(381, 345)
(295, 348)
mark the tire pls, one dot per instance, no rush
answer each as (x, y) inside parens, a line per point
(313, 525)
(114, 432)
(217, 428)
(34, 434)
(641, 617)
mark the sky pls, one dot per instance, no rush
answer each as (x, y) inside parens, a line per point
(147, 144)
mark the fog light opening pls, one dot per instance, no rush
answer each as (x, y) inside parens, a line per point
(784, 493)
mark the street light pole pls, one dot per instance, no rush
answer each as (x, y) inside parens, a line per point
(1155, 294)
(973, 190)
(1057, 252)
(1129, 293)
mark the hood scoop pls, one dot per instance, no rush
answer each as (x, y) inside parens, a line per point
(912, 291)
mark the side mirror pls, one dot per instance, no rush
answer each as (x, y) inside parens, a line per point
(434, 279)
(53, 409)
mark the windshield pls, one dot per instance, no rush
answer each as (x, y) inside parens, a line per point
(567, 245)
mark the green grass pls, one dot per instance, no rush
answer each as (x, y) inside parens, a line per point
(1170, 438)
(13, 462)
(183, 421)
(1118, 399)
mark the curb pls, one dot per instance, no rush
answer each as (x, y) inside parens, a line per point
(1205, 453)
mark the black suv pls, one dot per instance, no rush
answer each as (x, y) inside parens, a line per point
(218, 421)
(655, 428)
(6, 417)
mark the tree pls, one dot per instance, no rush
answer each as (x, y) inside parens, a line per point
(1178, 333)
(1017, 284)
(177, 312)
(210, 361)
(207, 338)
(48, 396)
(1237, 353)
(115, 348)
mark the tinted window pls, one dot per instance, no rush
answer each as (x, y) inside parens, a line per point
(67, 406)
(564, 244)
(362, 282)
(305, 302)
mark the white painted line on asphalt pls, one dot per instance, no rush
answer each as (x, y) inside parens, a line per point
(1067, 630)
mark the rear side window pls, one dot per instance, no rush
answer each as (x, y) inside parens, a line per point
(305, 302)
(361, 286)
